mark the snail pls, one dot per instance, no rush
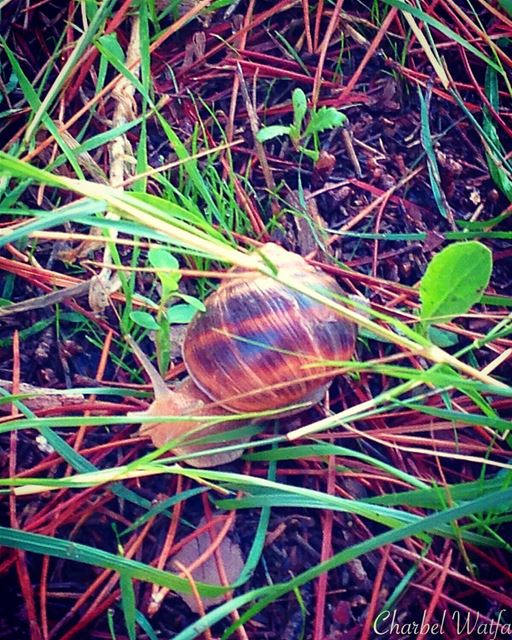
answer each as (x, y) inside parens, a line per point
(258, 346)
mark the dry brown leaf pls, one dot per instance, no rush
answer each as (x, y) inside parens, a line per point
(228, 553)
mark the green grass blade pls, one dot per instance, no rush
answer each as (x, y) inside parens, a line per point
(77, 552)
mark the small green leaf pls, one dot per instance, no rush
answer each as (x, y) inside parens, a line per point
(164, 264)
(161, 259)
(325, 118)
(269, 133)
(300, 107)
(310, 153)
(181, 313)
(193, 302)
(146, 301)
(454, 281)
(144, 319)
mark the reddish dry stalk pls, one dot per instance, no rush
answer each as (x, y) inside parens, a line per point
(158, 593)
(423, 79)
(326, 553)
(197, 597)
(496, 116)
(219, 561)
(256, 22)
(378, 219)
(216, 539)
(269, 71)
(455, 603)
(369, 53)
(333, 23)
(376, 595)
(461, 17)
(318, 22)
(43, 596)
(277, 63)
(468, 581)
(438, 591)
(18, 555)
(307, 26)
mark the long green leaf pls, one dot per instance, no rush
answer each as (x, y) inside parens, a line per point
(77, 552)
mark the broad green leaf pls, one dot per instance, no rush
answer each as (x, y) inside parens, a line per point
(181, 313)
(269, 133)
(144, 319)
(454, 280)
(300, 107)
(325, 118)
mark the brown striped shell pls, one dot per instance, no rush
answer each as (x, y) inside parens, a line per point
(260, 345)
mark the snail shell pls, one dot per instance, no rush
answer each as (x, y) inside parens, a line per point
(261, 345)
(258, 346)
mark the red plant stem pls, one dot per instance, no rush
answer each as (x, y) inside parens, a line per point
(20, 556)
(369, 54)
(307, 26)
(436, 595)
(158, 593)
(374, 601)
(107, 594)
(318, 22)
(326, 553)
(333, 22)
(219, 560)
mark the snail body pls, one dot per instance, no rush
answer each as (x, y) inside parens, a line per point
(258, 346)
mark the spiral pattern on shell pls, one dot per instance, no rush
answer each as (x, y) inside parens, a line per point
(260, 345)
